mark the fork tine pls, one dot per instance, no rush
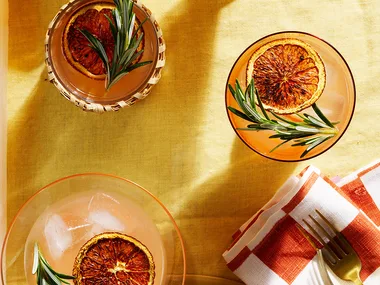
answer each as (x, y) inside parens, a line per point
(327, 222)
(326, 246)
(320, 257)
(312, 243)
(341, 252)
(307, 236)
(326, 259)
(346, 248)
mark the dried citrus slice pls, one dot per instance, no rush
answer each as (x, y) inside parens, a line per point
(288, 74)
(114, 258)
(76, 47)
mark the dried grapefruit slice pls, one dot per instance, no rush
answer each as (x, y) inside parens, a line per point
(289, 75)
(114, 258)
(76, 47)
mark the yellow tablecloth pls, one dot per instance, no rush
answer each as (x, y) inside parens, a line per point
(178, 143)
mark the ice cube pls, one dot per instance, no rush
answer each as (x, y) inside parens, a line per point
(102, 201)
(103, 221)
(58, 236)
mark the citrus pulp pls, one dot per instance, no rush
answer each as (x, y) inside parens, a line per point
(289, 75)
(114, 258)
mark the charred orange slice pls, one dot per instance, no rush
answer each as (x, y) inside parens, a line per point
(288, 74)
(114, 258)
(76, 47)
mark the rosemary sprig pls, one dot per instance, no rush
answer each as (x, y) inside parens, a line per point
(126, 39)
(45, 274)
(310, 133)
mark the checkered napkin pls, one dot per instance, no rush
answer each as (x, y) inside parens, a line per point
(269, 249)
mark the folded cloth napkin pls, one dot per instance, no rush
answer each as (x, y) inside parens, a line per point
(269, 249)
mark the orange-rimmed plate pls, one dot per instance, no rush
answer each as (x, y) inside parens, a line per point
(337, 100)
(64, 214)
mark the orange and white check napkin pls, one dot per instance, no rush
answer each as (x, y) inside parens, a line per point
(269, 249)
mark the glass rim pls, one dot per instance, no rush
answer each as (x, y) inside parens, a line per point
(6, 237)
(352, 111)
(144, 87)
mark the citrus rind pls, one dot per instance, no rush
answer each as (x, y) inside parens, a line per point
(276, 71)
(66, 45)
(77, 272)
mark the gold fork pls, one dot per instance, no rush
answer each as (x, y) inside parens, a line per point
(342, 258)
(321, 263)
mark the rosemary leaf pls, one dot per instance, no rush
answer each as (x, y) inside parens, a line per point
(268, 126)
(138, 28)
(283, 119)
(44, 273)
(305, 141)
(232, 90)
(117, 78)
(252, 112)
(117, 17)
(64, 276)
(261, 106)
(286, 124)
(276, 147)
(118, 5)
(256, 126)
(316, 122)
(282, 132)
(309, 133)
(314, 145)
(136, 55)
(307, 129)
(322, 116)
(125, 15)
(134, 47)
(252, 129)
(112, 26)
(96, 46)
(238, 113)
(239, 90)
(126, 42)
(117, 45)
(302, 117)
(50, 274)
(130, 32)
(252, 94)
(292, 136)
(240, 101)
(125, 55)
(137, 65)
(35, 259)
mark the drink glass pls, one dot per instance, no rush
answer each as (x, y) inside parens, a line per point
(337, 101)
(64, 215)
(90, 94)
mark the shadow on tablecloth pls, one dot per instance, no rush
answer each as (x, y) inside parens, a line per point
(218, 207)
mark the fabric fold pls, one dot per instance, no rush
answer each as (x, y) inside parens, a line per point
(269, 249)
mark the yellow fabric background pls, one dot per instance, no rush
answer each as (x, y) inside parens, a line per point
(178, 143)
